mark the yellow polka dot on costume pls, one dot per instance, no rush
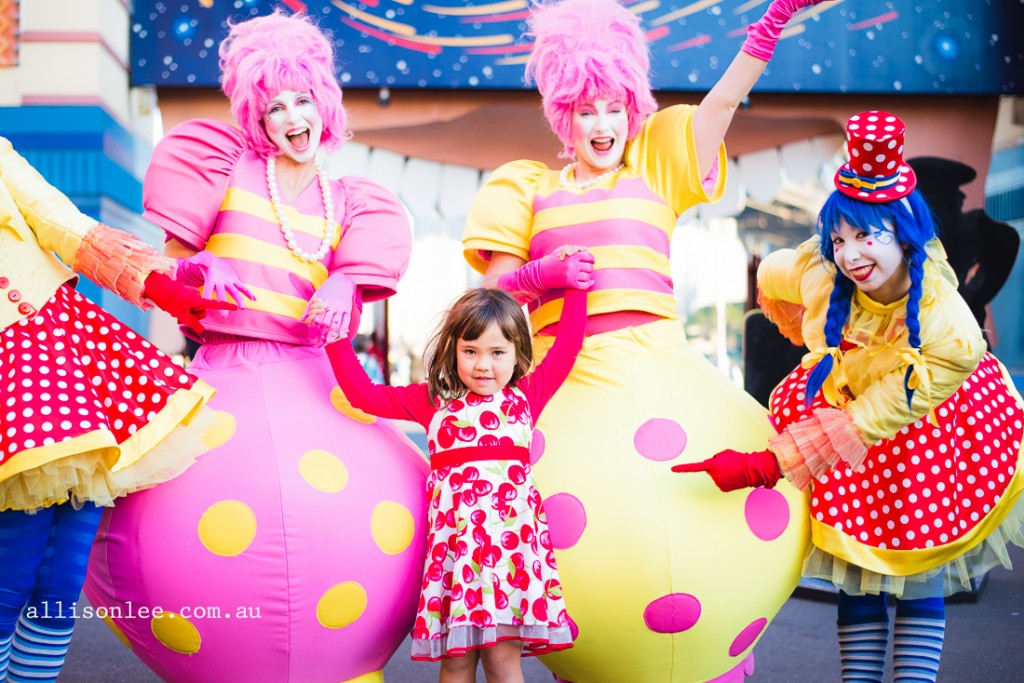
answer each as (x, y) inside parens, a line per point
(341, 605)
(227, 528)
(372, 677)
(117, 632)
(222, 430)
(341, 404)
(392, 526)
(323, 471)
(176, 633)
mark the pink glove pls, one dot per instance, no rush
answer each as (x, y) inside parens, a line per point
(568, 267)
(216, 277)
(329, 313)
(763, 35)
(732, 470)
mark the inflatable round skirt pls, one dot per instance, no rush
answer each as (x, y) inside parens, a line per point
(291, 552)
(666, 579)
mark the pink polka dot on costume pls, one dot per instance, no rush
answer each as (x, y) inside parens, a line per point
(673, 613)
(574, 630)
(536, 446)
(566, 519)
(659, 439)
(767, 513)
(747, 636)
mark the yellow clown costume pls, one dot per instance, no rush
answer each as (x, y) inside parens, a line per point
(665, 578)
(935, 498)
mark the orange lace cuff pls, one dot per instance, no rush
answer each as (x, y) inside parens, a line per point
(120, 262)
(809, 448)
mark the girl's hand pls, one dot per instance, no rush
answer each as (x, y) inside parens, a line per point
(329, 312)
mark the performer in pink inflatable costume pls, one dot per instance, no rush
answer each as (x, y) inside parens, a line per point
(294, 553)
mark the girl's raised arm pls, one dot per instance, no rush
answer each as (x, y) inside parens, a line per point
(411, 402)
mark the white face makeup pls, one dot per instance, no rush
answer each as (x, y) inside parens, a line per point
(294, 124)
(486, 364)
(599, 131)
(873, 260)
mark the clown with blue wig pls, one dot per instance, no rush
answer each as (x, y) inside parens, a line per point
(906, 431)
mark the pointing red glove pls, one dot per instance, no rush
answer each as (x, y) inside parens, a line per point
(181, 301)
(732, 470)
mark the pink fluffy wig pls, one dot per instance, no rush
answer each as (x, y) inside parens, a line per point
(264, 56)
(586, 50)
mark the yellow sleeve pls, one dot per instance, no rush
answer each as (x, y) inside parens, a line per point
(501, 217)
(952, 346)
(664, 154)
(793, 291)
(57, 223)
(781, 273)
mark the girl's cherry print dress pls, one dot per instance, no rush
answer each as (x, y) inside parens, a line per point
(490, 574)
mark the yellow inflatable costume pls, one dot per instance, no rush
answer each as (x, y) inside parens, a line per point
(666, 579)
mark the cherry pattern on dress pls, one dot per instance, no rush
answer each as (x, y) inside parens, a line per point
(490, 574)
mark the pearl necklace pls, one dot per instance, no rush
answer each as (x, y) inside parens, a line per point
(569, 168)
(330, 226)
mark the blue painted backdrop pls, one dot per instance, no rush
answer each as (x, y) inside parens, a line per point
(863, 46)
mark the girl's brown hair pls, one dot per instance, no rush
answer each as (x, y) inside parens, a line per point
(468, 318)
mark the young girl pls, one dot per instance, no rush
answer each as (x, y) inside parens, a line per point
(907, 432)
(490, 585)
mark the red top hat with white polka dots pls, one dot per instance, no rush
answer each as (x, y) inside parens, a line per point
(876, 172)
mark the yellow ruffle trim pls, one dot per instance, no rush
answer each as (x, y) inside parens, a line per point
(1004, 525)
(93, 468)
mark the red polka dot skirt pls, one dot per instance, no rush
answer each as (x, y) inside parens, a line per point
(932, 491)
(85, 397)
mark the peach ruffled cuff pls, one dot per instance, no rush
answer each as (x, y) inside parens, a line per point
(811, 447)
(120, 262)
(788, 317)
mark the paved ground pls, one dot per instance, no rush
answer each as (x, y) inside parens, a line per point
(984, 644)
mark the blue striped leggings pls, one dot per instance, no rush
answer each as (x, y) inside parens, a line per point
(43, 558)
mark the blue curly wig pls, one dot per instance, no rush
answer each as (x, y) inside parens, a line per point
(911, 222)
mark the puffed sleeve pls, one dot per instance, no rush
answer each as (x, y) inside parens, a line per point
(58, 224)
(665, 155)
(375, 238)
(501, 217)
(951, 348)
(791, 282)
(188, 177)
(112, 258)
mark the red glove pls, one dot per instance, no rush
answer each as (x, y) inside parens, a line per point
(181, 301)
(732, 470)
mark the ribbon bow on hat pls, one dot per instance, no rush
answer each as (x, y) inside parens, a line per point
(876, 172)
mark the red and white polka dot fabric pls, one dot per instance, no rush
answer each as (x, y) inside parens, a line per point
(876, 172)
(73, 369)
(927, 486)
